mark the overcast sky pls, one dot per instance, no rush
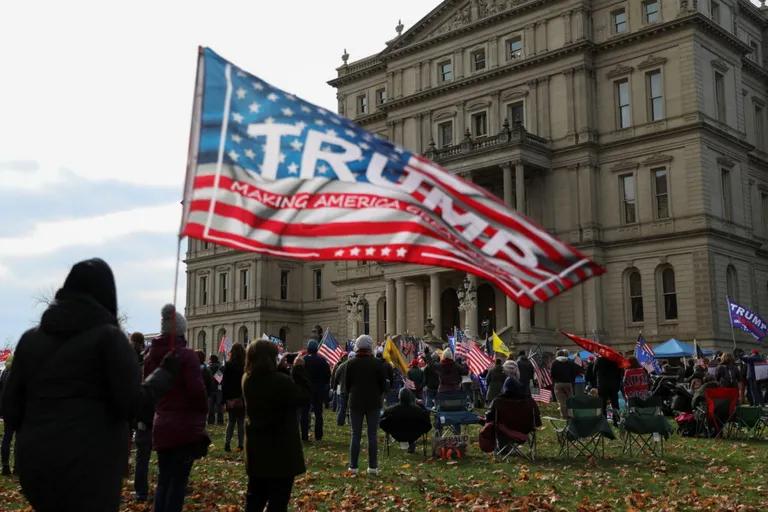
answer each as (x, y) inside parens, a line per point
(95, 103)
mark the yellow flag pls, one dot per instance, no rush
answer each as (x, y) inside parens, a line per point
(498, 346)
(392, 354)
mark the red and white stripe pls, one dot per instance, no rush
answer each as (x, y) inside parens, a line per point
(543, 377)
(477, 360)
(332, 356)
(542, 395)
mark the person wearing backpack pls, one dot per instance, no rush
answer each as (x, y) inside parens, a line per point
(727, 374)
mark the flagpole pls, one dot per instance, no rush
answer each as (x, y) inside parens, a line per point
(730, 320)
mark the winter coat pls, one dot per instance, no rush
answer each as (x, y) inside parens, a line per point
(609, 375)
(319, 373)
(564, 370)
(727, 375)
(208, 381)
(214, 369)
(339, 377)
(589, 375)
(273, 447)
(526, 371)
(366, 382)
(232, 382)
(495, 380)
(181, 414)
(450, 376)
(417, 376)
(406, 423)
(432, 376)
(72, 391)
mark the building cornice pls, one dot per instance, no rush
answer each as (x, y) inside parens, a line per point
(358, 70)
(753, 68)
(753, 12)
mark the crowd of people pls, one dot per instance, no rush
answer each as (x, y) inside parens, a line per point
(77, 393)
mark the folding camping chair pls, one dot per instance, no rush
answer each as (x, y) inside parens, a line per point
(424, 440)
(586, 428)
(720, 408)
(515, 425)
(644, 428)
(747, 420)
(452, 409)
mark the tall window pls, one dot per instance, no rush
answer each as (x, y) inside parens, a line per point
(655, 95)
(755, 55)
(516, 112)
(635, 296)
(720, 96)
(623, 110)
(478, 59)
(480, 124)
(714, 11)
(203, 290)
(669, 293)
(627, 185)
(366, 318)
(619, 21)
(445, 134)
(651, 11)
(661, 192)
(732, 283)
(445, 69)
(223, 287)
(242, 335)
(362, 104)
(317, 279)
(725, 180)
(245, 280)
(201, 341)
(514, 48)
(284, 285)
(381, 96)
(759, 127)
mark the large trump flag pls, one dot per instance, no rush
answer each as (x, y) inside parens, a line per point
(274, 174)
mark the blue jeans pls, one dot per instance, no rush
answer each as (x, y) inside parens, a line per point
(143, 443)
(174, 467)
(5, 448)
(215, 408)
(372, 419)
(341, 409)
(429, 401)
(235, 418)
(317, 403)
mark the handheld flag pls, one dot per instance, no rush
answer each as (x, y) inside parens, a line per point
(645, 356)
(746, 320)
(392, 354)
(543, 376)
(598, 348)
(498, 345)
(477, 360)
(271, 173)
(330, 348)
(698, 352)
(4, 355)
(225, 345)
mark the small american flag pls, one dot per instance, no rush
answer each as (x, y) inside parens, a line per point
(271, 173)
(477, 360)
(543, 376)
(542, 395)
(330, 348)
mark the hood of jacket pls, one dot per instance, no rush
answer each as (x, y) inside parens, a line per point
(72, 313)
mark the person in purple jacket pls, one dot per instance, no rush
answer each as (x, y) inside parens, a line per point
(178, 433)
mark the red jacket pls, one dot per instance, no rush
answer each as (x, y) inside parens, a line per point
(181, 413)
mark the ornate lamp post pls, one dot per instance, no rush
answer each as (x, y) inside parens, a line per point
(467, 295)
(355, 304)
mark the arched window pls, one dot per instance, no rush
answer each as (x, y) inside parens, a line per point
(201, 342)
(669, 293)
(635, 289)
(366, 318)
(242, 335)
(732, 283)
(220, 336)
(282, 334)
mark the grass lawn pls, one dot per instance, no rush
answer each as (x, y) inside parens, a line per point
(696, 474)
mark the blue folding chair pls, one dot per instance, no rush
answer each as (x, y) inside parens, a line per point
(452, 410)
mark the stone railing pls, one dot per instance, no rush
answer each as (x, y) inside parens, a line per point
(515, 135)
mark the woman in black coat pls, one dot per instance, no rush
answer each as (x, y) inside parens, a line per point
(73, 389)
(273, 449)
(232, 393)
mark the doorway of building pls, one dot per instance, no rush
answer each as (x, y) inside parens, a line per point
(449, 311)
(486, 309)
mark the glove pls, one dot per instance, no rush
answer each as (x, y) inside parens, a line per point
(171, 363)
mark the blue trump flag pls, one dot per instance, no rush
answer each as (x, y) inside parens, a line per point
(746, 320)
(645, 356)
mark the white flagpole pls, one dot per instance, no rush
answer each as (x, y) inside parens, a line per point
(730, 320)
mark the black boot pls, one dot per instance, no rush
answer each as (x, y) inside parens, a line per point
(6, 470)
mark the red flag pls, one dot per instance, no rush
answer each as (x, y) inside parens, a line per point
(599, 349)
(4, 355)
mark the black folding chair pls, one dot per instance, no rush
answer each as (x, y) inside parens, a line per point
(452, 409)
(585, 430)
(644, 428)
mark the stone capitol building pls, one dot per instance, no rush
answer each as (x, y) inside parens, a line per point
(633, 130)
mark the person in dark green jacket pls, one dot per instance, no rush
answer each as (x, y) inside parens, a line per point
(366, 384)
(274, 455)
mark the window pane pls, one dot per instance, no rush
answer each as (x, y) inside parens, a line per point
(620, 21)
(622, 98)
(720, 96)
(726, 191)
(670, 306)
(635, 284)
(629, 188)
(446, 71)
(445, 134)
(651, 11)
(479, 122)
(479, 60)
(516, 113)
(668, 280)
(514, 48)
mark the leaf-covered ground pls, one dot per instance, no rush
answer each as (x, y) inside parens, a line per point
(696, 474)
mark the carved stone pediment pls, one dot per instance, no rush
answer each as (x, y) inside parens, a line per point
(620, 70)
(472, 11)
(624, 165)
(652, 62)
(514, 95)
(724, 161)
(478, 105)
(657, 159)
(444, 114)
(720, 65)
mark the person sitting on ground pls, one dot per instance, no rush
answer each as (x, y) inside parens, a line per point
(495, 380)
(450, 373)
(406, 422)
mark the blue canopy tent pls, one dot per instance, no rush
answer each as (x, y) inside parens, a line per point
(677, 348)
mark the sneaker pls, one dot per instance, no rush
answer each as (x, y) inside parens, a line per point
(352, 470)
(373, 471)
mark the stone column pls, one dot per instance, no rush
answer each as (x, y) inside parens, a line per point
(399, 306)
(525, 314)
(353, 318)
(512, 308)
(390, 306)
(470, 318)
(434, 304)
